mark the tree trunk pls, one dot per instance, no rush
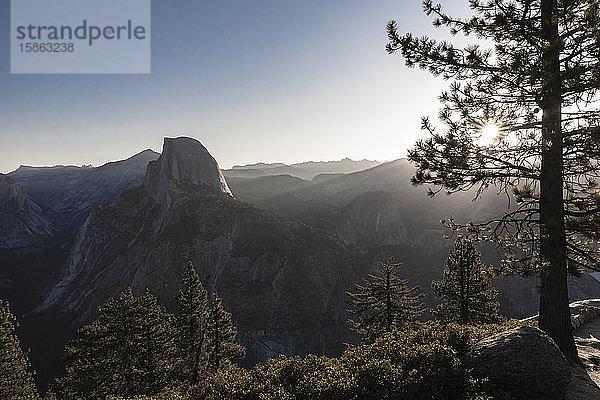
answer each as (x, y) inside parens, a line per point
(554, 316)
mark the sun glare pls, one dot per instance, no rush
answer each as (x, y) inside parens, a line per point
(489, 132)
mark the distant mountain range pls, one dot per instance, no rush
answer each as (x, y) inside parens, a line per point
(305, 170)
(282, 244)
(68, 189)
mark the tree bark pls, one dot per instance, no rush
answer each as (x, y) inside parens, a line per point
(554, 316)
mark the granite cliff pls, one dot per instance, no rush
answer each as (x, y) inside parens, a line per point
(23, 226)
(284, 282)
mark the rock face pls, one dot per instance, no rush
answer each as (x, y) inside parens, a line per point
(183, 160)
(522, 363)
(283, 282)
(22, 225)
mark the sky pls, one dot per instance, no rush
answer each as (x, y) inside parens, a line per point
(254, 81)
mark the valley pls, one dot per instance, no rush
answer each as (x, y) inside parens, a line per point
(281, 249)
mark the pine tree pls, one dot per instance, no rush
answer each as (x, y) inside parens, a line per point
(129, 352)
(466, 287)
(384, 303)
(191, 325)
(87, 368)
(220, 335)
(16, 381)
(119, 316)
(155, 345)
(543, 56)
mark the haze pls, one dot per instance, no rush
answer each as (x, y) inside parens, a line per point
(253, 81)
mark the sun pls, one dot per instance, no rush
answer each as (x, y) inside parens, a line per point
(488, 133)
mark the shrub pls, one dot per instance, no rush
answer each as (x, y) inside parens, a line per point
(305, 378)
(413, 365)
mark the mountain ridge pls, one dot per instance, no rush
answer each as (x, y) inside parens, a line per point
(71, 189)
(306, 170)
(282, 253)
(276, 275)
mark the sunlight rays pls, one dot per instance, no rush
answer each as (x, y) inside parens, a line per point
(488, 133)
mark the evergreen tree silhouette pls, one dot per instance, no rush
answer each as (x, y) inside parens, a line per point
(220, 334)
(191, 325)
(16, 379)
(466, 288)
(383, 303)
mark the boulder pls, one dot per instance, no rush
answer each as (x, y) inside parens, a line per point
(521, 363)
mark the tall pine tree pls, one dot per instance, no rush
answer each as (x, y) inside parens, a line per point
(539, 55)
(220, 335)
(467, 291)
(384, 303)
(120, 318)
(191, 326)
(155, 345)
(16, 379)
(87, 368)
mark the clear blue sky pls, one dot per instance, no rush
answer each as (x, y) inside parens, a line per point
(278, 80)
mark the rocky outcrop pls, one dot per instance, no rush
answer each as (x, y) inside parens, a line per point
(183, 160)
(586, 376)
(584, 311)
(184, 163)
(22, 225)
(521, 364)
